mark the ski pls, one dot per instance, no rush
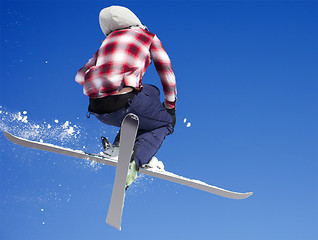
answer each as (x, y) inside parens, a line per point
(151, 172)
(128, 133)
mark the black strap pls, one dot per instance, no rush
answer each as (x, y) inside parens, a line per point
(111, 103)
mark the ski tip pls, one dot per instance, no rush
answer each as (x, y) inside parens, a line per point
(7, 134)
(248, 194)
(132, 116)
(236, 195)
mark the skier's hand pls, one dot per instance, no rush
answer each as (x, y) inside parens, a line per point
(172, 112)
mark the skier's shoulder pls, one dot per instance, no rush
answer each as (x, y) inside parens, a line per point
(133, 32)
(144, 31)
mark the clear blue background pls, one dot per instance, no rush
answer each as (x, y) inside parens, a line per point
(247, 82)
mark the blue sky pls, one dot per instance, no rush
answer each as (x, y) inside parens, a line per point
(247, 82)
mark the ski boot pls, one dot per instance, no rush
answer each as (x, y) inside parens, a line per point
(132, 174)
(155, 164)
(111, 151)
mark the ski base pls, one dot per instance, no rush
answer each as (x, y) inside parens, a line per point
(128, 133)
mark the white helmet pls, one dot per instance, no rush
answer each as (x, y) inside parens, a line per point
(115, 18)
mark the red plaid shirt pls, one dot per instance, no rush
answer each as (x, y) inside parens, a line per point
(122, 61)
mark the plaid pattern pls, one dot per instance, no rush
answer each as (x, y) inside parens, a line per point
(122, 61)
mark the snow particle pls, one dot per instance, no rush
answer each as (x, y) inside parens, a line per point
(70, 130)
(66, 124)
(185, 122)
(22, 119)
(56, 121)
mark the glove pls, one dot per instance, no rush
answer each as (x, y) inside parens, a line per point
(172, 112)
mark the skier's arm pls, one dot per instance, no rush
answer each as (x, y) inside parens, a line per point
(80, 76)
(165, 71)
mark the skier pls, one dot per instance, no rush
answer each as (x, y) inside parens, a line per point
(112, 80)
